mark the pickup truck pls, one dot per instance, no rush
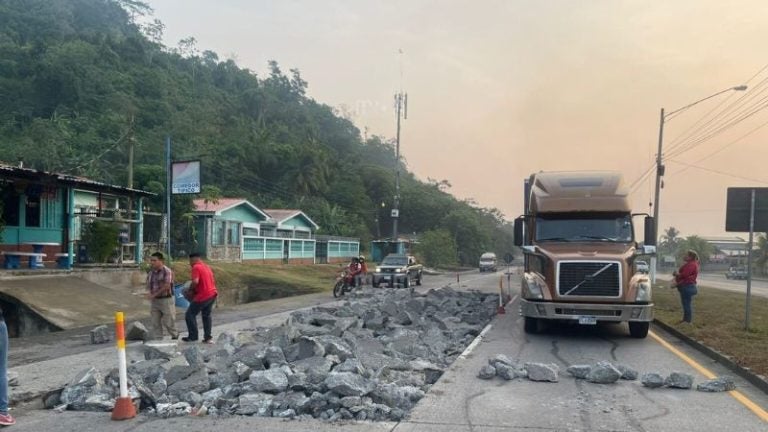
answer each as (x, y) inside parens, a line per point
(397, 269)
(736, 273)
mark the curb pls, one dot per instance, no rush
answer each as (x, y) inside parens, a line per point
(746, 373)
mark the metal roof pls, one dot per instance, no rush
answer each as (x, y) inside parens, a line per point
(20, 173)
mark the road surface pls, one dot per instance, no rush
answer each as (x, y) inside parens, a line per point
(461, 402)
(718, 280)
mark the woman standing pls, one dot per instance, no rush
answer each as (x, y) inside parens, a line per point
(685, 281)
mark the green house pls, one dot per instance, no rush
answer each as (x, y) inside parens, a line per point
(41, 214)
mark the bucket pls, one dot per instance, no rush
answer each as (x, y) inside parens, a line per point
(179, 297)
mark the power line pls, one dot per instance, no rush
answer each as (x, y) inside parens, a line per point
(720, 172)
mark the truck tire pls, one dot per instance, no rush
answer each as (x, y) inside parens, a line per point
(639, 329)
(375, 284)
(533, 325)
(418, 280)
(407, 281)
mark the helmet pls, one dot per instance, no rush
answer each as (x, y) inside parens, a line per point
(355, 259)
(361, 258)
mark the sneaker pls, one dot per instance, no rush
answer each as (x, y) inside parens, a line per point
(7, 420)
(186, 339)
(208, 341)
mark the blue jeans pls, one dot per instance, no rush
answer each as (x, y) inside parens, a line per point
(686, 298)
(191, 318)
(3, 368)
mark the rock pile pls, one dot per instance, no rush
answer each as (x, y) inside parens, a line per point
(601, 373)
(371, 358)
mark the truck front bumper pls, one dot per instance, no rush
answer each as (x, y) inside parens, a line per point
(389, 278)
(574, 311)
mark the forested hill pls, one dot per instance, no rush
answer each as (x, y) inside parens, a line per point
(82, 81)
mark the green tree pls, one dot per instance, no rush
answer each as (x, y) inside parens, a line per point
(437, 248)
(101, 239)
(703, 248)
(761, 261)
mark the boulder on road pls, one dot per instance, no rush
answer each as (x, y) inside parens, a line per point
(542, 372)
(679, 380)
(652, 380)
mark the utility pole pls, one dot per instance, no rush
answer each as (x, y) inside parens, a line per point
(401, 103)
(659, 175)
(168, 196)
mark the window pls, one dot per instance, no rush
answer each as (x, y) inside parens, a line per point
(218, 233)
(10, 204)
(608, 227)
(233, 233)
(32, 204)
(250, 232)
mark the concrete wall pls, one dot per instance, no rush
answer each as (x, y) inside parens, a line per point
(223, 253)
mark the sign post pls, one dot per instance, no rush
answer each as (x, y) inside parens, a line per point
(747, 211)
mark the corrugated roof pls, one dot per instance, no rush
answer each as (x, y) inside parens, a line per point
(281, 215)
(220, 205)
(15, 172)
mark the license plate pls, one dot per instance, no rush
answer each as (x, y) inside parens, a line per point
(386, 278)
(587, 320)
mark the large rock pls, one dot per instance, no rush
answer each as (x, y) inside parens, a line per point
(351, 365)
(269, 381)
(335, 346)
(627, 373)
(194, 356)
(500, 358)
(315, 369)
(719, 384)
(100, 335)
(178, 373)
(305, 348)
(487, 372)
(198, 382)
(159, 350)
(259, 404)
(431, 371)
(87, 383)
(136, 331)
(679, 380)
(148, 370)
(98, 402)
(542, 372)
(242, 370)
(403, 398)
(251, 355)
(652, 380)
(603, 373)
(505, 371)
(579, 371)
(348, 384)
(274, 357)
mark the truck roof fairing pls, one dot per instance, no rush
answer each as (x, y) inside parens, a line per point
(579, 191)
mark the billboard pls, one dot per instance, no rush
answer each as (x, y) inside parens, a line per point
(738, 207)
(185, 178)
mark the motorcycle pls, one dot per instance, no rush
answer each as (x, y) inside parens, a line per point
(344, 284)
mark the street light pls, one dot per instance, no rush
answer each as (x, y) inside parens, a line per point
(660, 165)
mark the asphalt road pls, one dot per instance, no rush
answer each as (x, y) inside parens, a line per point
(461, 402)
(718, 280)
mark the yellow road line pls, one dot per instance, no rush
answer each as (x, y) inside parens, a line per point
(756, 409)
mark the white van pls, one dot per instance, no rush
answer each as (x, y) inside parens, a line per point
(488, 262)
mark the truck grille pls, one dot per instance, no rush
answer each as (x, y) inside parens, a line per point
(594, 312)
(583, 273)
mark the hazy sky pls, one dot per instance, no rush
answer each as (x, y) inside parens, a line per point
(500, 89)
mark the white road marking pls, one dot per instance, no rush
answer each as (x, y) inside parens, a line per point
(479, 337)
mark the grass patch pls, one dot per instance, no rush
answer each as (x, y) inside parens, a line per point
(718, 322)
(244, 283)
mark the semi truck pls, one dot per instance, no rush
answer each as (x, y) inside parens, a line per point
(580, 252)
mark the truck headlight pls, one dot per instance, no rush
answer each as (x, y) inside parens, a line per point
(378, 269)
(398, 270)
(534, 289)
(643, 292)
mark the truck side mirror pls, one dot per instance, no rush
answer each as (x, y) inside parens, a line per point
(650, 231)
(519, 231)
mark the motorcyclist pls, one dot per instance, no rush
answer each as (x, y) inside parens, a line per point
(353, 270)
(362, 277)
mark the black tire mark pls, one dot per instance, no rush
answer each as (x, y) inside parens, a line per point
(634, 422)
(555, 351)
(664, 410)
(467, 401)
(614, 346)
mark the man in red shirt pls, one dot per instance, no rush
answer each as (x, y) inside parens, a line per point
(204, 288)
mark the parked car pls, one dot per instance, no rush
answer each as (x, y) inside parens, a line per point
(736, 273)
(397, 269)
(642, 267)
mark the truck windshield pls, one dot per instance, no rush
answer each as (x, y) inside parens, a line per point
(607, 227)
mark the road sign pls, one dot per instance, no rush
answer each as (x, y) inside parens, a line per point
(737, 210)
(508, 258)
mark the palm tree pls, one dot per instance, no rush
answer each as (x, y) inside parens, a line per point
(702, 247)
(762, 252)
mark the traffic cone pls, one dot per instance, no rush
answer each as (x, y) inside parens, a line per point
(501, 310)
(124, 409)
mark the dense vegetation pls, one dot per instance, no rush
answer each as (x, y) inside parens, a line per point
(84, 81)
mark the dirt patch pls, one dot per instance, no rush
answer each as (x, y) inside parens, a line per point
(718, 322)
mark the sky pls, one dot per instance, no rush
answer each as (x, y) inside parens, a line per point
(499, 89)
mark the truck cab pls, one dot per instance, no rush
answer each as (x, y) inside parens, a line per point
(577, 235)
(488, 262)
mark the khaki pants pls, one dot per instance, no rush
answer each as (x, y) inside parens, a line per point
(164, 315)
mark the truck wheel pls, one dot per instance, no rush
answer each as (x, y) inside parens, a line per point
(639, 329)
(418, 280)
(375, 284)
(533, 325)
(407, 282)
